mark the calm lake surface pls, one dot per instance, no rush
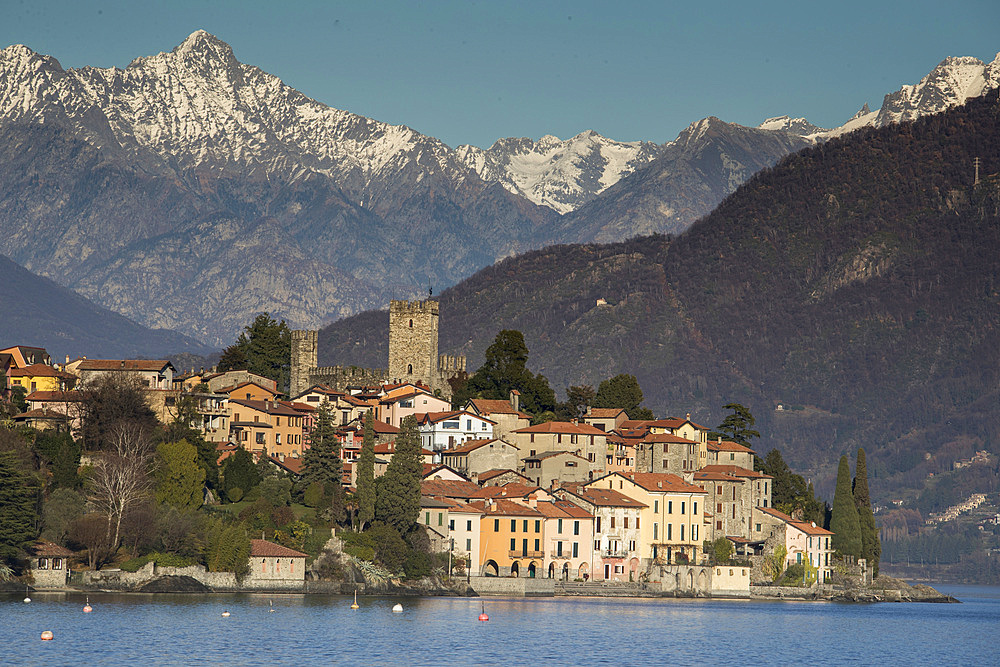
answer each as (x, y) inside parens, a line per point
(323, 630)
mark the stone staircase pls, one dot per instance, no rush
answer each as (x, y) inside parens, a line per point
(600, 588)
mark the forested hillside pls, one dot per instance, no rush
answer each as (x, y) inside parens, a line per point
(855, 284)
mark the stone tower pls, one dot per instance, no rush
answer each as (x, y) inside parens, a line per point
(305, 357)
(413, 342)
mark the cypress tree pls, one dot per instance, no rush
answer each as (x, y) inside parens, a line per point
(365, 482)
(397, 502)
(18, 506)
(844, 523)
(871, 546)
(322, 460)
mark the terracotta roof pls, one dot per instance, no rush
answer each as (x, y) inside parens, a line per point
(154, 365)
(50, 550)
(736, 471)
(270, 407)
(805, 526)
(457, 506)
(562, 427)
(604, 413)
(448, 488)
(55, 396)
(496, 472)
(504, 507)
(667, 438)
(40, 371)
(605, 497)
(390, 448)
(726, 446)
(702, 475)
(291, 464)
(472, 445)
(435, 417)
(509, 490)
(656, 481)
(561, 509)
(495, 406)
(226, 390)
(301, 407)
(775, 513)
(263, 548)
(431, 501)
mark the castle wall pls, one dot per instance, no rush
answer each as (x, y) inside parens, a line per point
(413, 341)
(305, 357)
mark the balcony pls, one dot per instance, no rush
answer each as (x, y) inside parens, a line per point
(559, 556)
(614, 553)
(527, 554)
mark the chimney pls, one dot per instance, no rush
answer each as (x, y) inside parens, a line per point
(688, 416)
(533, 501)
(590, 411)
(515, 400)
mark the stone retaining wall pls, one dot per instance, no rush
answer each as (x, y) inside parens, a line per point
(513, 586)
(217, 581)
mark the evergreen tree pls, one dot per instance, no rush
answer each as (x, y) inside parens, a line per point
(239, 472)
(505, 368)
(397, 500)
(622, 391)
(871, 546)
(265, 468)
(844, 523)
(322, 464)
(264, 347)
(180, 479)
(365, 496)
(18, 506)
(736, 427)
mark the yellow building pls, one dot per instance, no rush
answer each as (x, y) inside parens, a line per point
(40, 377)
(511, 539)
(255, 425)
(672, 522)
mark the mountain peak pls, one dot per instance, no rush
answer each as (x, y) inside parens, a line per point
(200, 40)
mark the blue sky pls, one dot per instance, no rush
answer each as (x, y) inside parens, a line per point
(471, 72)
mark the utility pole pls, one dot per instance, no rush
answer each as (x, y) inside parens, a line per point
(975, 161)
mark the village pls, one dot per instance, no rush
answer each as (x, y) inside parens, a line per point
(598, 500)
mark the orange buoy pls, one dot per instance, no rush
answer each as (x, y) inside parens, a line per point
(483, 616)
(87, 608)
(47, 636)
(355, 605)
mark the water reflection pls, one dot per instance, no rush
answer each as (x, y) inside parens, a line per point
(313, 629)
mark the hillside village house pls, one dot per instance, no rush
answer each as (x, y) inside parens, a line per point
(401, 401)
(464, 528)
(434, 518)
(445, 430)
(568, 540)
(219, 382)
(152, 373)
(606, 419)
(249, 391)
(64, 403)
(344, 407)
(499, 477)
(40, 377)
(721, 452)
(733, 493)
(617, 535)
(548, 467)
(50, 565)
(621, 453)
(275, 566)
(672, 519)
(477, 456)
(687, 451)
(586, 441)
(804, 541)
(506, 415)
(510, 539)
(22, 356)
(256, 425)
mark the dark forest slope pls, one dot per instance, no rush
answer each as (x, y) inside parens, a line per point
(857, 280)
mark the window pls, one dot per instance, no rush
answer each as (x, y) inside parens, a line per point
(468, 424)
(468, 545)
(670, 531)
(682, 532)
(57, 563)
(598, 524)
(631, 545)
(694, 533)
(757, 527)
(637, 523)
(612, 523)
(718, 525)
(694, 510)
(656, 531)
(525, 525)
(260, 438)
(440, 518)
(427, 518)
(559, 526)
(451, 524)
(682, 507)
(513, 525)
(496, 525)
(718, 508)
(409, 369)
(626, 523)
(538, 525)
(597, 545)
(468, 524)
(576, 527)
(277, 421)
(656, 506)
(536, 545)
(411, 324)
(513, 544)
(558, 548)
(277, 438)
(451, 424)
(663, 464)
(524, 547)
(670, 507)
(576, 550)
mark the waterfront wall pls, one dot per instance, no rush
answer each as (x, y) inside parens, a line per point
(513, 586)
(216, 581)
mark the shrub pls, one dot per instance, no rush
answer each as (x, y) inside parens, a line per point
(681, 559)
(313, 496)
(235, 494)
(390, 549)
(360, 552)
(417, 565)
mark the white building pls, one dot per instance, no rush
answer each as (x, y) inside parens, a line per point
(463, 525)
(447, 430)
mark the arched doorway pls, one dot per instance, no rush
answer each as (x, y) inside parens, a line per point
(633, 568)
(531, 570)
(690, 579)
(552, 570)
(584, 572)
(565, 572)
(491, 569)
(515, 569)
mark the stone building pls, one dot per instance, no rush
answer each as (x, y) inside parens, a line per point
(413, 355)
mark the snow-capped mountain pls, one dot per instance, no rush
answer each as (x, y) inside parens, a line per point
(560, 174)
(797, 126)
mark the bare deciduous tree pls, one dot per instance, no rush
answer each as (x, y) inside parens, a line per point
(121, 477)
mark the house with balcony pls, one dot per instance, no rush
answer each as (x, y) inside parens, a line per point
(446, 430)
(804, 541)
(568, 540)
(256, 425)
(617, 534)
(511, 539)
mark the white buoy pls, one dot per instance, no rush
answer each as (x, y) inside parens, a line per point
(27, 599)
(225, 614)
(270, 607)
(47, 636)
(397, 608)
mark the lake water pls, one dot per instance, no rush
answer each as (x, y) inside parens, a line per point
(322, 630)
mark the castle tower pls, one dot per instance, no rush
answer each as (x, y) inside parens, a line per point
(413, 342)
(305, 356)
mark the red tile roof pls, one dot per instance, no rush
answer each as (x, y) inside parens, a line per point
(448, 488)
(509, 490)
(263, 548)
(669, 438)
(435, 417)
(605, 497)
(39, 371)
(152, 365)
(604, 413)
(496, 472)
(736, 471)
(562, 427)
(50, 550)
(726, 446)
(495, 406)
(504, 507)
(270, 407)
(54, 396)
(657, 481)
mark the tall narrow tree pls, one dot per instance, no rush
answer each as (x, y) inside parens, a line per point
(321, 462)
(871, 546)
(365, 482)
(397, 501)
(844, 523)
(18, 506)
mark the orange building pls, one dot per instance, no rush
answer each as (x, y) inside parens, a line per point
(259, 424)
(511, 539)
